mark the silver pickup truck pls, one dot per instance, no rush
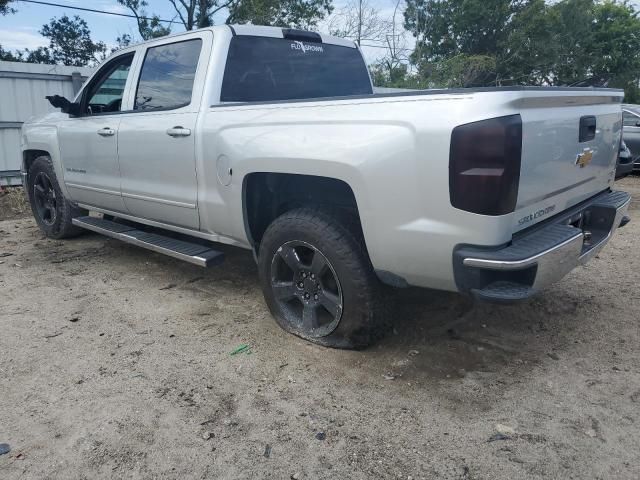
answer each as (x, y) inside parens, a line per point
(272, 140)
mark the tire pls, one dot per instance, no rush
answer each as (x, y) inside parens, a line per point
(52, 211)
(310, 261)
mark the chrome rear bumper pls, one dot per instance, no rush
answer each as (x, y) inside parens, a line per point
(541, 255)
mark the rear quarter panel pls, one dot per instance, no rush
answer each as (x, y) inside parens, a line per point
(393, 153)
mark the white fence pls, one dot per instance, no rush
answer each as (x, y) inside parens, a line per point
(23, 88)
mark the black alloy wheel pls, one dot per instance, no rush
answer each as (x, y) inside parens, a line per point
(54, 213)
(318, 281)
(45, 199)
(306, 289)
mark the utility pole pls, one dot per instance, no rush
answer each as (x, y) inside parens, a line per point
(359, 22)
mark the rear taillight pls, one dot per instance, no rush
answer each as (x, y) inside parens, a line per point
(484, 165)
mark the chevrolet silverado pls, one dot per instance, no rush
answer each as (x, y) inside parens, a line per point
(273, 140)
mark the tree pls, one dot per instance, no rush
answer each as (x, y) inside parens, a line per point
(148, 27)
(199, 13)
(359, 20)
(191, 13)
(531, 47)
(462, 37)
(571, 22)
(123, 41)
(579, 39)
(392, 69)
(5, 9)
(525, 42)
(616, 46)
(303, 14)
(8, 56)
(69, 43)
(444, 28)
(39, 55)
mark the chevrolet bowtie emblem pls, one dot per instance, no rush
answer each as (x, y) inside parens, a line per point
(583, 159)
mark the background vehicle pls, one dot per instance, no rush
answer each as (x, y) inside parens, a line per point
(631, 132)
(625, 161)
(272, 139)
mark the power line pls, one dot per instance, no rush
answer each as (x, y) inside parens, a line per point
(382, 46)
(94, 10)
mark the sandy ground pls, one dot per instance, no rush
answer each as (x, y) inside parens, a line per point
(115, 363)
(13, 203)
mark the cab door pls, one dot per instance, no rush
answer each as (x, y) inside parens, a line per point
(88, 143)
(156, 139)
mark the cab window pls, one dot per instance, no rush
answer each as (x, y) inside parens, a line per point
(167, 75)
(107, 89)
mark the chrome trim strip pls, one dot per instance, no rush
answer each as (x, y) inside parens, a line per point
(173, 203)
(553, 194)
(91, 189)
(518, 264)
(201, 262)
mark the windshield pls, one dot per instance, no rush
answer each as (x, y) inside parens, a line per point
(265, 69)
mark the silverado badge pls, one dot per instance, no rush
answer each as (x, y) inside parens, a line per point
(583, 159)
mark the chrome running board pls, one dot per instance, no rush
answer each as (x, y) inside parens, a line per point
(195, 253)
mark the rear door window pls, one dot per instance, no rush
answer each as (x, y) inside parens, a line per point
(166, 78)
(267, 69)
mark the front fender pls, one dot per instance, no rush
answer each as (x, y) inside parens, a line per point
(43, 136)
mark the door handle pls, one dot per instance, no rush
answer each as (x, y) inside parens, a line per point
(106, 132)
(178, 132)
(587, 128)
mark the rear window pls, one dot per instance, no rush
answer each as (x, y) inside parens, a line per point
(265, 69)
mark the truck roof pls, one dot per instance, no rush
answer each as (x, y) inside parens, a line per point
(263, 31)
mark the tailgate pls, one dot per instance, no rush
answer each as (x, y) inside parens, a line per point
(570, 142)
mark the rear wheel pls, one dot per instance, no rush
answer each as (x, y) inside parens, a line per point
(52, 211)
(318, 281)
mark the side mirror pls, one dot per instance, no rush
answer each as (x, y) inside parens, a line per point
(638, 123)
(64, 105)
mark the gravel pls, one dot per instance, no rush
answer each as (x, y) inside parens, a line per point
(129, 389)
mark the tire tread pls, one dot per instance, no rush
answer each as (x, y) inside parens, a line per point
(64, 228)
(347, 243)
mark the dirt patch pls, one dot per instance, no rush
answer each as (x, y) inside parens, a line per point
(115, 362)
(13, 203)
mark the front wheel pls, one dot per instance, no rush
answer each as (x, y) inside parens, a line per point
(318, 281)
(52, 211)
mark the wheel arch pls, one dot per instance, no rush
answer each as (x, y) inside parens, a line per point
(28, 157)
(267, 195)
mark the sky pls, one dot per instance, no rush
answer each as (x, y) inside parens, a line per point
(20, 30)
